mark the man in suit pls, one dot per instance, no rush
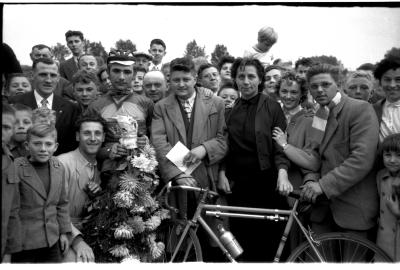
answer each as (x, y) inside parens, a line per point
(76, 44)
(64, 87)
(345, 136)
(196, 119)
(45, 79)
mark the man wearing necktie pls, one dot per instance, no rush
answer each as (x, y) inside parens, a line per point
(345, 137)
(83, 181)
(45, 79)
(190, 116)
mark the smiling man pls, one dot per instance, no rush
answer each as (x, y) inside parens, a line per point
(154, 85)
(76, 44)
(208, 77)
(344, 136)
(45, 79)
(83, 181)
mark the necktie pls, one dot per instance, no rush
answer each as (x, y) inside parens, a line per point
(187, 108)
(44, 103)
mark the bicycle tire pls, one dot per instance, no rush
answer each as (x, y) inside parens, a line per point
(171, 232)
(331, 249)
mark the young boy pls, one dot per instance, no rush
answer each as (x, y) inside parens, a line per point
(388, 181)
(23, 116)
(44, 201)
(10, 201)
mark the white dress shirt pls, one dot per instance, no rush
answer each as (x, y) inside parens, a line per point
(390, 123)
(152, 66)
(39, 99)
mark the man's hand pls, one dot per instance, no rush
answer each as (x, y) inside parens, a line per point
(6, 258)
(93, 189)
(185, 180)
(195, 155)
(279, 136)
(117, 151)
(83, 252)
(223, 183)
(283, 184)
(310, 191)
(64, 244)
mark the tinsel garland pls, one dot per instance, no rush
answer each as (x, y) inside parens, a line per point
(122, 223)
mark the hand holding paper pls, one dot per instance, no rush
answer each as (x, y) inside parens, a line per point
(186, 160)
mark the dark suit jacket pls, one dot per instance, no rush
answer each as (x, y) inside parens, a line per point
(347, 154)
(66, 115)
(68, 69)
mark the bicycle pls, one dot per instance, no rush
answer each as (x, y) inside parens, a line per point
(182, 243)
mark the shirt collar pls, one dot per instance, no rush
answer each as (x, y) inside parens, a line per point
(190, 100)
(39, 99)
(82, 160)
(392, 104)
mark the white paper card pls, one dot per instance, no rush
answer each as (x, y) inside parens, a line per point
(176, 155)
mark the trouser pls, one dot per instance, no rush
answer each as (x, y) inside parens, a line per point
(41, 255)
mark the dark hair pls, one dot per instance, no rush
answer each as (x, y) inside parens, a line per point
(137, 69)
(304, 61)
(41, 47)
(291, 76)
(72, 33)
(391, 62)
(321, 68)
(44, 60)
(84, 76)
(390, 143)
(22, 107)
(204, 67)
(367, 66)
(241, 63)
(182, 64)
(158, 42)
(225, 59)
(7, 109)
(271, 67)
(12, 76)
(227, 84)
(41, 130)
(89, 117)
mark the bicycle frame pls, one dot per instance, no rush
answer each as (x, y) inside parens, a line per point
(239, 212)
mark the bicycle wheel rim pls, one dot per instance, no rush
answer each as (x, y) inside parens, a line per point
(189, 251)
(340, 248)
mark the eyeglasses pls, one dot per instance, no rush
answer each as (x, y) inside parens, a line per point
(324, 85)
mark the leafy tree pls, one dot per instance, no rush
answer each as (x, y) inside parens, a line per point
(60, 52)
(125, 45)
(219, 52)
(193, 50)
(97, 49)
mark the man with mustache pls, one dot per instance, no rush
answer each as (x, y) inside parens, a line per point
(344, 136)
(83, 181)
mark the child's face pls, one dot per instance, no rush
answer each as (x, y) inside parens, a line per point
(41, 149)
(23, 123)
(7, 128)
(391, 160)
(229, 96)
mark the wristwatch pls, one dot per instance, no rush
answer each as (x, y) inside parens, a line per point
(284, 146)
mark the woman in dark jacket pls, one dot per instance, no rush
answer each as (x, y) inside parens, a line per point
(256, 165)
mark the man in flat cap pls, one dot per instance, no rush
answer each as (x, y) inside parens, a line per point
(142, 59)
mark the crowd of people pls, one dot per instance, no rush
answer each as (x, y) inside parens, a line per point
(258, 129)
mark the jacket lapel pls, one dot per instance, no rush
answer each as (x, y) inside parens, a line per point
(32, 179)
(332, 123)
(31, 100)
(202, 111)
(55, 173)
(175, 116)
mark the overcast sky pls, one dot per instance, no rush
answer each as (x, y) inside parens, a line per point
(354, 35)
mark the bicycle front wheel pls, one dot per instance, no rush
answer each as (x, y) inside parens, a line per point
(339, 247)
(189, 251)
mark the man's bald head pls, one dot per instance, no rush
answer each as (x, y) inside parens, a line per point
(154, 85)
